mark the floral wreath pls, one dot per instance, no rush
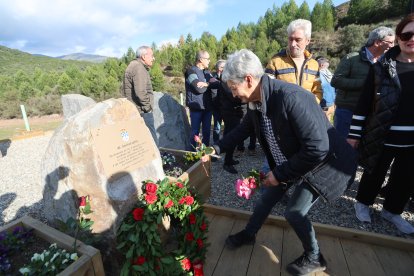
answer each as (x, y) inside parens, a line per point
(139, 235)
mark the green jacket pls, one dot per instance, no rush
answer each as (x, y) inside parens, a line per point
(349, 79)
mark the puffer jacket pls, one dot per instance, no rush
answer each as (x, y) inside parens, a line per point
(384, 87)
(349, 79)
(315, 152)
(282, 67)
(137, 86)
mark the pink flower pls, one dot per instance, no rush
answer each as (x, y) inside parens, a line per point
(151, 188)
(179, 185)
(189, 200)
(197, 139)
(243, 189)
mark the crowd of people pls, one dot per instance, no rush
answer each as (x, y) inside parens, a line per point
(314, 126)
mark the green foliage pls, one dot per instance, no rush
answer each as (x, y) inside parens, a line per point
(139, 236)
(157, 77)
(49, 262)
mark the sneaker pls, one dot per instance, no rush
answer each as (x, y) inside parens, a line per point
(230, 169)
(239, 239)
(362, 212)
(252, 152)
(402, 225)
(305, 265)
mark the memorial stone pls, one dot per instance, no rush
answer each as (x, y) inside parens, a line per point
(104, 151)
(73, 103)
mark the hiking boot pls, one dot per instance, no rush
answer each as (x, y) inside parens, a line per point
(230, 169)
(402, 225)
(239, 239)
(305, 265)
(362, 212)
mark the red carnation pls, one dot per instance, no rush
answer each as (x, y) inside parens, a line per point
(179, 185)
(189, 200)
(169, 204)
(138, 213)
(151, 188)
(200, 243)
(150, 198)
(139, 261)
(203, 226)
(198, 269)
(189, 236)
(192, 218)
(186, 264)
(82, 201)
(182, 200)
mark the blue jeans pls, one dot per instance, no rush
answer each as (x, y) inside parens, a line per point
(216, 125)
(203, 119)
(342, 121)
(296, 210)
(149, 122)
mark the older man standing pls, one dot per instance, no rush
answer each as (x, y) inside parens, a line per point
(351, 73)
(137, 86)
(198, 97)
(295, 64)
(301, 146)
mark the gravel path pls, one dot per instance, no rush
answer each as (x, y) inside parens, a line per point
(21, 190)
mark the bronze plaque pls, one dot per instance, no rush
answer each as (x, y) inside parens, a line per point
(124, 146)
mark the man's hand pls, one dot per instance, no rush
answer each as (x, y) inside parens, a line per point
(206, 157)
(353, 142)
(202, 84)
(270, 180)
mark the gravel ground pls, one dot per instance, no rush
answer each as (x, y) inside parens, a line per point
(21, 190)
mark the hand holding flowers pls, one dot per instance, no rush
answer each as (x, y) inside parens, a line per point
(246, 187)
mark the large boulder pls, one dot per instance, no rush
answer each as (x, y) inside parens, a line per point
(171, 123)
(104, 151)
(73, 103)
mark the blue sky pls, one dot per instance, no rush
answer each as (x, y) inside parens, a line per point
(106, 27)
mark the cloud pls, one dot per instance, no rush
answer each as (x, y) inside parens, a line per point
(57, 27)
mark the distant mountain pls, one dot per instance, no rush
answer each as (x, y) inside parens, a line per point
(84, 57)
(12, 60)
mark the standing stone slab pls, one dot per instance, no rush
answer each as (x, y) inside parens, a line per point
(171, 123)
(94, 153)
(74, 103)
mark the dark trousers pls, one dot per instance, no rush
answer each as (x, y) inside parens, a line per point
(200, 118)
(296, 212)
(230, 122)
(400, 183)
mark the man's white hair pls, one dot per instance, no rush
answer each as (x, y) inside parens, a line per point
(300, 24)
(240, 64)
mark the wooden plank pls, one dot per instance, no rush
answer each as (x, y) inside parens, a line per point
(267, 252)
(219, 228)
(361, 259)
(395, 262)
(323, 229)
(331, 249)
(234, 262)
(292, 249)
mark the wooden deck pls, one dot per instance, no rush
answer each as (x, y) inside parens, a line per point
(347, 251)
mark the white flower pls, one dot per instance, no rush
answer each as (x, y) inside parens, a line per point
(54, 257)
(65, 261)
(42, 256)
(24, 270)
(74, 256)
(35, 257)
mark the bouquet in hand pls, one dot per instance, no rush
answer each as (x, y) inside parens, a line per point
(246, 187)
(200, 151)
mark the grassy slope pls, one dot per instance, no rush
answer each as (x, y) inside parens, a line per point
(13, 60)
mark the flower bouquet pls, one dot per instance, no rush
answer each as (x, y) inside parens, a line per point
(246, 187)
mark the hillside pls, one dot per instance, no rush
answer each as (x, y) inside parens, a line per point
(12, 60)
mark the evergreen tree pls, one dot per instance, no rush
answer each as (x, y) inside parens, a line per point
(157, 77)
(304, 11)
(65, 84)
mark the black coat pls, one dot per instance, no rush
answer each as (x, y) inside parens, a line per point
(315, 152)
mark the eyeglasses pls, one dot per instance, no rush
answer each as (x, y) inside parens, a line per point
(391, 43)
(406, 36)
(206, 58)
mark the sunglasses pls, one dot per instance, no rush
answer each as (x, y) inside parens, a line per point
(406, 36)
